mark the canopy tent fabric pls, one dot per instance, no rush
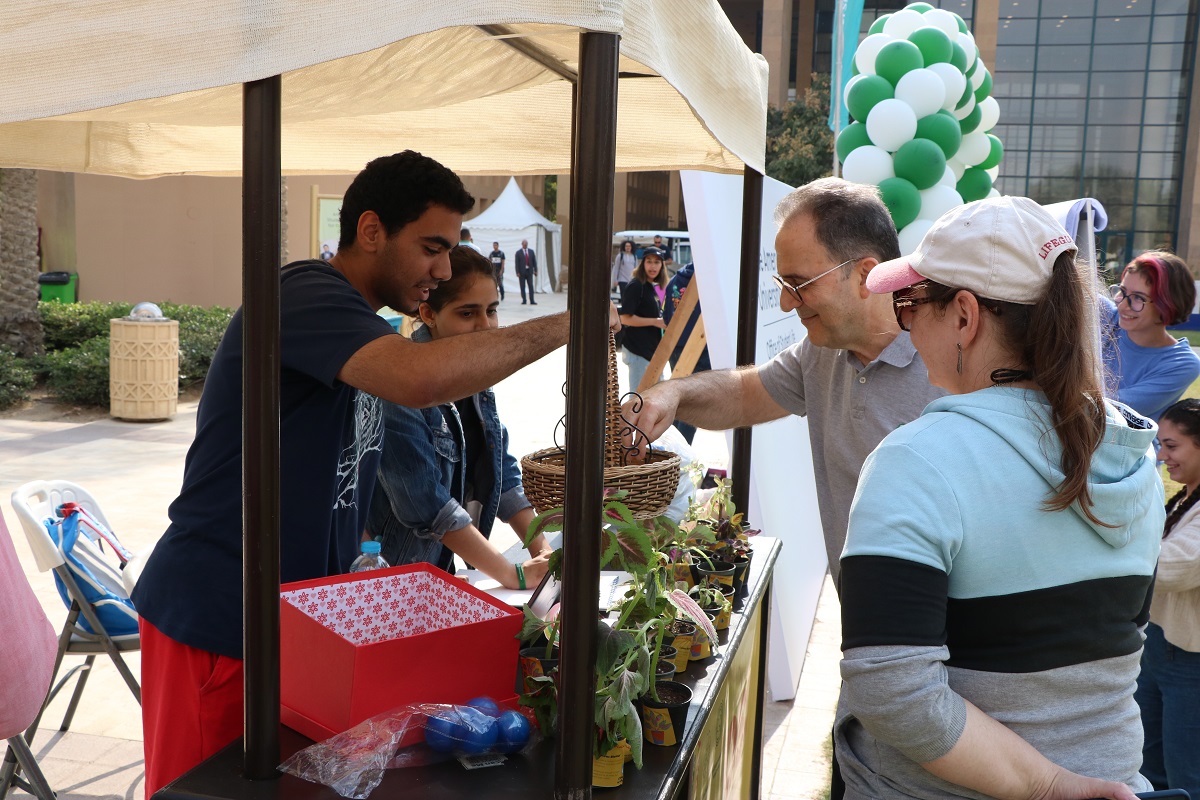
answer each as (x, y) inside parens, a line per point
(510, 220)
(142, 89)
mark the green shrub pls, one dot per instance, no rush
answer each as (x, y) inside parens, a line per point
(78, 375)
(200, 331)
(67, 325)
(16, 379)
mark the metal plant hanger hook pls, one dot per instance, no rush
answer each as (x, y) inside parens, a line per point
(628, 429)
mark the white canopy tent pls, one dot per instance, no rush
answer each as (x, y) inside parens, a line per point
(510, 220)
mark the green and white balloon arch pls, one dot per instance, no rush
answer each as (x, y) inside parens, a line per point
(922, 108)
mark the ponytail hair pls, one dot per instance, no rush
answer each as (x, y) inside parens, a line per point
(1056, 342)
(1185, 415)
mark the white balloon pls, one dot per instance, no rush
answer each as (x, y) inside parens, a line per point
(977, 78)
(937, 200)
(967, 42)
(904, 22)
(993, 173)
(868, 164)
(962, 113)
(913, 233)
(989, 110)
(940, 18)
(923, 90)
(948, 177)
(954, 81)
(891, 123)
(864, 56)
(957, 167)
(994, 192)
(975, 149)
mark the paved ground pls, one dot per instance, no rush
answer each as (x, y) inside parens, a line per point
(134, 470)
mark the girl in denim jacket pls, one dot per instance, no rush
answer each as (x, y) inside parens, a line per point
(446, 474)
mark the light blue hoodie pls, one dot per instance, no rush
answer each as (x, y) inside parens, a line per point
(957, 583)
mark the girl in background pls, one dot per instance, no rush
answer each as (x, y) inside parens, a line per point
(641, 314)
(1148, 368)
(446, 474)
(1169, 685)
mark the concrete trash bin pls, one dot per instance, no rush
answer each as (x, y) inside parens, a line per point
(143, 365)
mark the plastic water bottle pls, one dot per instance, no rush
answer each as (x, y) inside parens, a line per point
(370, 558)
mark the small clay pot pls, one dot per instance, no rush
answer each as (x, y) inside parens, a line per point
(701, 646)
(718, 572)
(608, 770)
(720, 616)
(667, 655)
(664, 719)
(741, 568)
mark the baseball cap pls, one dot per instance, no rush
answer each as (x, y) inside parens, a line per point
(1001, 248)
(654, 251)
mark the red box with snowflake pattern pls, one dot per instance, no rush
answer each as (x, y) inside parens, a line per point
(353, 646)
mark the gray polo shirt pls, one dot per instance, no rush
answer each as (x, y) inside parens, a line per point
(850, 408)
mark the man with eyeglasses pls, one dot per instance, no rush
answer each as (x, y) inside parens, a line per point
(856, 376)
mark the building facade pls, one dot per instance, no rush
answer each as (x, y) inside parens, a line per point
(1097, 99)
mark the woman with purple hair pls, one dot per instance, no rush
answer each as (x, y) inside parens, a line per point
(1147, 368)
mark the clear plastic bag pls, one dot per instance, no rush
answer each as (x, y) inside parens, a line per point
(352, 763)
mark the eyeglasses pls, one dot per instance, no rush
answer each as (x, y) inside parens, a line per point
(902, 303)
(795, 290)
(1136, 300)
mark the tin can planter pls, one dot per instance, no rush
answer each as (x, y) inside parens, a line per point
(664, 719)
(608, 770)
(666, 662)
(701, 646)
(718, 572)
(532, 663)
(682, 635)
(681, 571)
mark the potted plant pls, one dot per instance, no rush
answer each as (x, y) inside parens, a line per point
(730, 536)
(538, 658)
(713, 601)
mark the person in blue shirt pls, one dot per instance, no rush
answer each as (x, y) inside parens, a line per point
(446, 475)
(1147, 368)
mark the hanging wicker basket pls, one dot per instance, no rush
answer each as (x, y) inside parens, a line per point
(651, 484)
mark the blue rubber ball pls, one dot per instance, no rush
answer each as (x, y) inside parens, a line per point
(514, 732)
(479, 731)
(486, 705)
(443, 732)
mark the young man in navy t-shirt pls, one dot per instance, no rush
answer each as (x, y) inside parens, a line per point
(399, 219)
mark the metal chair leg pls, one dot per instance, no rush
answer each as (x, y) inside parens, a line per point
(8, 773)
(36, 785)
(78, 693)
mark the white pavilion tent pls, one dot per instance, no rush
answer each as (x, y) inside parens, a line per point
(510, 220)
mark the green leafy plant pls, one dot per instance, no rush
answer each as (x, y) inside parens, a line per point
(721, 526)
(78, 374)
(200, 331)
(708, 596)
(67, 325)
(623, 673)
(16, 379)
(541, 696)
(534, 628)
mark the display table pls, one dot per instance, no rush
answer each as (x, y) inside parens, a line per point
(719, 755)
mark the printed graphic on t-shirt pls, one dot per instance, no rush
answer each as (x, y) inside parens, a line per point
(368, 437)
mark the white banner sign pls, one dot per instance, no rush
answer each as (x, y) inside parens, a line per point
(783, 496)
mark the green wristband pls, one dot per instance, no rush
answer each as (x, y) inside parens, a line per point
(520, 576)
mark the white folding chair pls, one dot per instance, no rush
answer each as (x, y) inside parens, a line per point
(35, 502)
(26, 672)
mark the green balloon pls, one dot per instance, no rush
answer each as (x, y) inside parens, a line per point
(966, 96)
(943, 130)
(958, 57)
(902, 199)
(920, 8)
(974, 66)
(877, 25)
(974, 184)
(851, 138)
(962, 26)
(920, 162)
(853, 67)
(985, 88)
(933, 43)
(866, 92)
(896, 59)
(971, 121)
(994, 157)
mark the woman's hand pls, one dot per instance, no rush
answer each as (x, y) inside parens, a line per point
(535, 570)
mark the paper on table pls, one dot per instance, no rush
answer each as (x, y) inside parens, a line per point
(606, 594)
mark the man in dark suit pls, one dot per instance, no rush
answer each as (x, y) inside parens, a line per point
(526, 270)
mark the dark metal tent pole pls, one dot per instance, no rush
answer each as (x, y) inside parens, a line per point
(592, 176)
(261, 199)
(747, 330)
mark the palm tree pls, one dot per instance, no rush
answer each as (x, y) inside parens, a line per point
(20, 325)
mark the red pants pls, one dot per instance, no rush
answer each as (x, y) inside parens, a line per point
(191, 705)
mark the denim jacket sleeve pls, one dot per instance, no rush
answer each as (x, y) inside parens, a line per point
(415, 472)
(512, 490)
